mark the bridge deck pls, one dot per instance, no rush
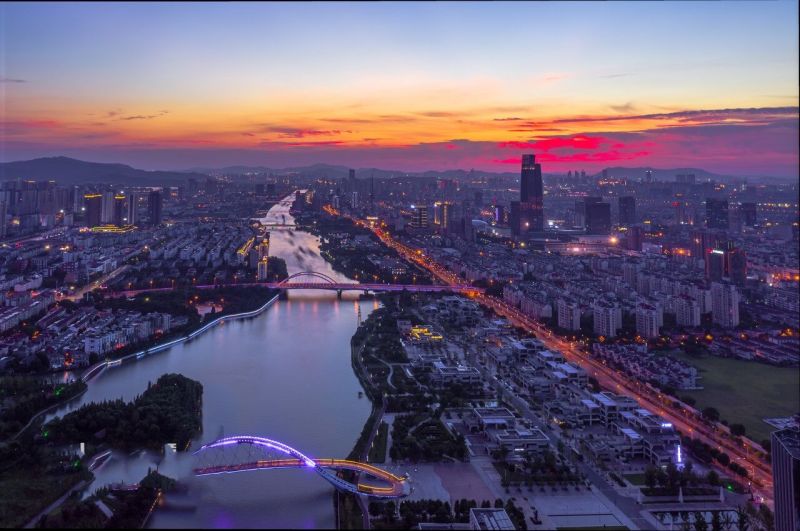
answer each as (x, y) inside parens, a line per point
(396, 488)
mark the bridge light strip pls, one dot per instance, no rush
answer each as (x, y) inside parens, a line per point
(261, 441)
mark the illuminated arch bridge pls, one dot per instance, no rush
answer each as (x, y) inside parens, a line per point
(320, 281)
(244, 453)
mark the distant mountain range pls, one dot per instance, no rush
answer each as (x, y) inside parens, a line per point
(341, 172)
(67, 171)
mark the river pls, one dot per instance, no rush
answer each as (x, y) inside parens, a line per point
(285, 375)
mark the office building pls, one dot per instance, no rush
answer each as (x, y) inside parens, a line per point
(532, 191)
(419, 217)
(598, 218)
(580, 209)
(93, 203)
(717, 216)
(447, 216)
(686, 178)
(715, 264)
(154, 205)
(627, 210)
(785, 446)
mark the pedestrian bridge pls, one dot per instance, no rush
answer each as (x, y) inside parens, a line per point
(246, 453)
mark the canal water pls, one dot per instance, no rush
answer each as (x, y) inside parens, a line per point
(284, 375)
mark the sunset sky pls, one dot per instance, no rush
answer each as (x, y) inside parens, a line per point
(404, 86)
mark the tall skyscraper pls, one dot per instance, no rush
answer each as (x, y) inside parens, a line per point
(580, 209)
(717, 214)
(419, 219)
(94, 209)
(154, 204)
(133, 208)
(532, 191)
(627, 210)
(785, 446)
(119, 218)
(598, 218)
(736, 265)
(715, 264)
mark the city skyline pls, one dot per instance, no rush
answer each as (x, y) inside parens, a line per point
(413, 87)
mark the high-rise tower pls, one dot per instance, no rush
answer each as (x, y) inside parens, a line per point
(532, 192)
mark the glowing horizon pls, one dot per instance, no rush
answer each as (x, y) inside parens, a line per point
(404, 86)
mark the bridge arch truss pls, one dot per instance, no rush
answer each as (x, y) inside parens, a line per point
(246, 453)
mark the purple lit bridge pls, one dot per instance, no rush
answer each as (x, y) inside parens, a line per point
(244, 453)
(321, 281)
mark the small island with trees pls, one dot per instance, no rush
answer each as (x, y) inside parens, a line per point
(169, 411)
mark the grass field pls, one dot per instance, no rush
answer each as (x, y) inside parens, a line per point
(746, 392)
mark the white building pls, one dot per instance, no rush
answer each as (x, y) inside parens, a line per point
(648, 320)
(687, 311)
(607, 318)
(569, 314)
(724, 304)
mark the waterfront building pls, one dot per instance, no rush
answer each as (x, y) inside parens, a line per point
(263, 269)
